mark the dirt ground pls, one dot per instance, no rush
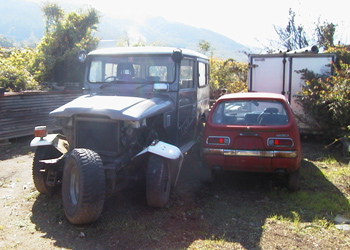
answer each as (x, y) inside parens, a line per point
(235, 212)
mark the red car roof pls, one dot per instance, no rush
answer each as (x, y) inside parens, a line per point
(252, 95)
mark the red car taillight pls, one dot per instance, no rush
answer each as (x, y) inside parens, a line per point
(280, 142)
(218, 140)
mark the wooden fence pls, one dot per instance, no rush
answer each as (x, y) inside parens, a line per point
(21, 112)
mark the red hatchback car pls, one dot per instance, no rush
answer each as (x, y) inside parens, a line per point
(253, 132)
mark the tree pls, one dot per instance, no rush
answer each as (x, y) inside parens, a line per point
(53, 16)
(292, 37)
(227, 75)
(325, 34)
(5, 42)
(65, 36)
(204, 47)
(124, 41)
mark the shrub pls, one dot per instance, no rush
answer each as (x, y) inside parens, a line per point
(14, 70)
(229, 75)
(328, 98)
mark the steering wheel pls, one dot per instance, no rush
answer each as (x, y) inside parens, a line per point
(111, 79)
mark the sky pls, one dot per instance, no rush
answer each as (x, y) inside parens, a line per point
(249, 22)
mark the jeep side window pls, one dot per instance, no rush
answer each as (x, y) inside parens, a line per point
(96, 71)
(203, 72)
(186, 74)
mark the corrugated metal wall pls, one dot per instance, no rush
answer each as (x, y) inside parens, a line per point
(21, 112)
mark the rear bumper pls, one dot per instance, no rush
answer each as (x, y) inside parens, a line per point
(268, 161)
(251, 153)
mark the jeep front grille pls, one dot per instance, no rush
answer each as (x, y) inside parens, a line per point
(98, 134)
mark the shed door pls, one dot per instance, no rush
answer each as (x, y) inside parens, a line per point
(268, 75)
(317, 64)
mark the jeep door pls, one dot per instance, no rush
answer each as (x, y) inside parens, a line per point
(187, 103)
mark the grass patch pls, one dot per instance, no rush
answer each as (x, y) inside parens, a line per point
(324, 194)
(214, 243)
(308, 205)
(338, 175)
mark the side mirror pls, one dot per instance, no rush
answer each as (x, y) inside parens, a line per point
(177, 56)
(160, 87)
(82, 55)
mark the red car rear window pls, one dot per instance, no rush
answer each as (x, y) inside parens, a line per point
(250, 112)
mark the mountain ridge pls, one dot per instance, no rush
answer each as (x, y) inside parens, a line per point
(23, 20)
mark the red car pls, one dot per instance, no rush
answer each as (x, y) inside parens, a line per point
(253, 132)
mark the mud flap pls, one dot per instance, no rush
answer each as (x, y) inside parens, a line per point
(56, 140)
(170, 152)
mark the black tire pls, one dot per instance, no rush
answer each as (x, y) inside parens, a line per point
(40, 170)
(158, 181)
(83, 186)
(293, 181)
(206, 173)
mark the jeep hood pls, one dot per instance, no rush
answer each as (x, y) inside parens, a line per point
(115, 107)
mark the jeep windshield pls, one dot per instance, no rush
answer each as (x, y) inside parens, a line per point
(133, 69)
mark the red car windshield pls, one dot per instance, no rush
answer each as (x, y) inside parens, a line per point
(250, 112)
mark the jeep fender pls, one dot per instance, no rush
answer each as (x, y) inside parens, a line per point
(170, 152)
(57, 140)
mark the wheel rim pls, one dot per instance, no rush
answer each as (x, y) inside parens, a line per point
(74, 186)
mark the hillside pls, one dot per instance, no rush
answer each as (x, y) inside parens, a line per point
(22, 20)
(175, 34)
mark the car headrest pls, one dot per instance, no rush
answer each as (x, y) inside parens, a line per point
(271, 110)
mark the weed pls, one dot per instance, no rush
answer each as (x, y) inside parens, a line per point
(280, 218)
(323, 222)
(329, 159)
(296, 220)
(32, 195)
(5, 182)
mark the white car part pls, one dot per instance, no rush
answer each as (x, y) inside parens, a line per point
(168, 151)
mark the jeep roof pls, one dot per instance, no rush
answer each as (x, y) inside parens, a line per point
(145, 51)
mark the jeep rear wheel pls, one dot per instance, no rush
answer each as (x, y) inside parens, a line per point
(44, 176)
(158, 182)
(83, 186)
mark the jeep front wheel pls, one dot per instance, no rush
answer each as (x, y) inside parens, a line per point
(83, 186)
(158, 183)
